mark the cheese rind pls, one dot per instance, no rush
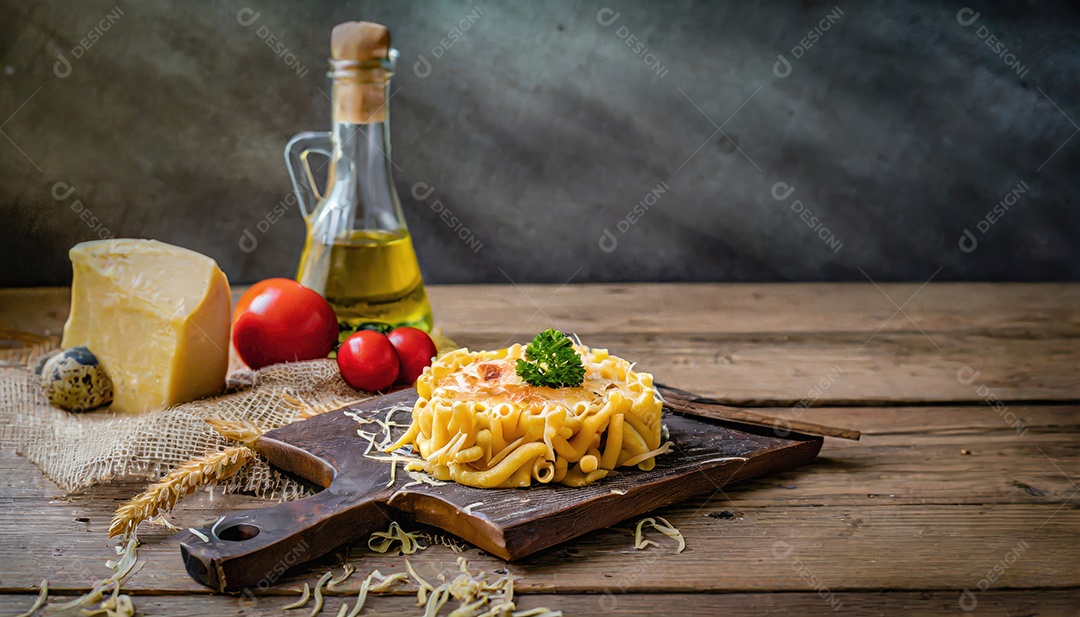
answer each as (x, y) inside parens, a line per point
(157, 316)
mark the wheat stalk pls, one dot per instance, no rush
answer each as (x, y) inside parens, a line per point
(243, 431)
(308, 409)
(163, 494)
(247, 432)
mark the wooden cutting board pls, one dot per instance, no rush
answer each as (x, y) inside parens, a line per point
(254, 548)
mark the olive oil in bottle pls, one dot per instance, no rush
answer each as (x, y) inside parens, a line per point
(358, 253)
(374, 278)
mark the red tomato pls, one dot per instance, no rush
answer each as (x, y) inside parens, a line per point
(280, 320)
(254, 291)
(415, 349)
(368, 361)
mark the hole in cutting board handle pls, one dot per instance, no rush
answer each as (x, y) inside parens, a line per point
(238, 533)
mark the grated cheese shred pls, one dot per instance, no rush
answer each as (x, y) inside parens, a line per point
(318, 594)
(43, 595)
(305, 594)
(665, 528)
(421, 594)
(664, 449)
(382, 541)
(123, 569)
(476, 595)
(349, 569)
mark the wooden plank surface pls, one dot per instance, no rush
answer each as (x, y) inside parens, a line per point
(928, 502)
(993, 603)
(906, 489)
(692, 308)
(771, 344)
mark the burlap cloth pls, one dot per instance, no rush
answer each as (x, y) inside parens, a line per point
(77, 451)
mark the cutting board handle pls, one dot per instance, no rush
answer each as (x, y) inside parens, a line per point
(252, 549)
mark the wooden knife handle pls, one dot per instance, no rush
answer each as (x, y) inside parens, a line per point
(684, 402)
(252, 549)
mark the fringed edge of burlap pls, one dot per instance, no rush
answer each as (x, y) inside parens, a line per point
(291, 392)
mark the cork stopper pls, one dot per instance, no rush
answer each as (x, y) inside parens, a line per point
(356, 51)
(359, 41)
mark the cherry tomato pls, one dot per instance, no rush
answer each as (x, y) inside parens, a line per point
(415, 349)
(368, 361)
(280, 320)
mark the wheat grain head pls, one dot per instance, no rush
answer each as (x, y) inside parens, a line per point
(163, 494)
(243, 431)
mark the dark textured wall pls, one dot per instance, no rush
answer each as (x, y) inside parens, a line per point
(757, 141)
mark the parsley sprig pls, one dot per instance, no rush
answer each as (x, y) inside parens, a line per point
(552, 361)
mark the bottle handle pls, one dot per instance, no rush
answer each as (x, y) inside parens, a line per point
(296, 160)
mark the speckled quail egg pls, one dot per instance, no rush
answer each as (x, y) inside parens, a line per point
(74, 380)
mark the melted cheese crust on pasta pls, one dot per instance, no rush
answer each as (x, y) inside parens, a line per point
(477, 423)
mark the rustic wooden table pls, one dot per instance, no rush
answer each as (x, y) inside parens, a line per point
(966, 477)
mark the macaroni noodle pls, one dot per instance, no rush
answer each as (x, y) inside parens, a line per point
(477, 423)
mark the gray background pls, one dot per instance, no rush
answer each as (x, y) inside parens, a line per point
(540, 128)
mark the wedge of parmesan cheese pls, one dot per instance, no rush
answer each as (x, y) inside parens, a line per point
(156, 316)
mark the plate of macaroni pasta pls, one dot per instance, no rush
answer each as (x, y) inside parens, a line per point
(480, 422)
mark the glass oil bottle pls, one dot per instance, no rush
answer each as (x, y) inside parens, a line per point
(358, 253)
